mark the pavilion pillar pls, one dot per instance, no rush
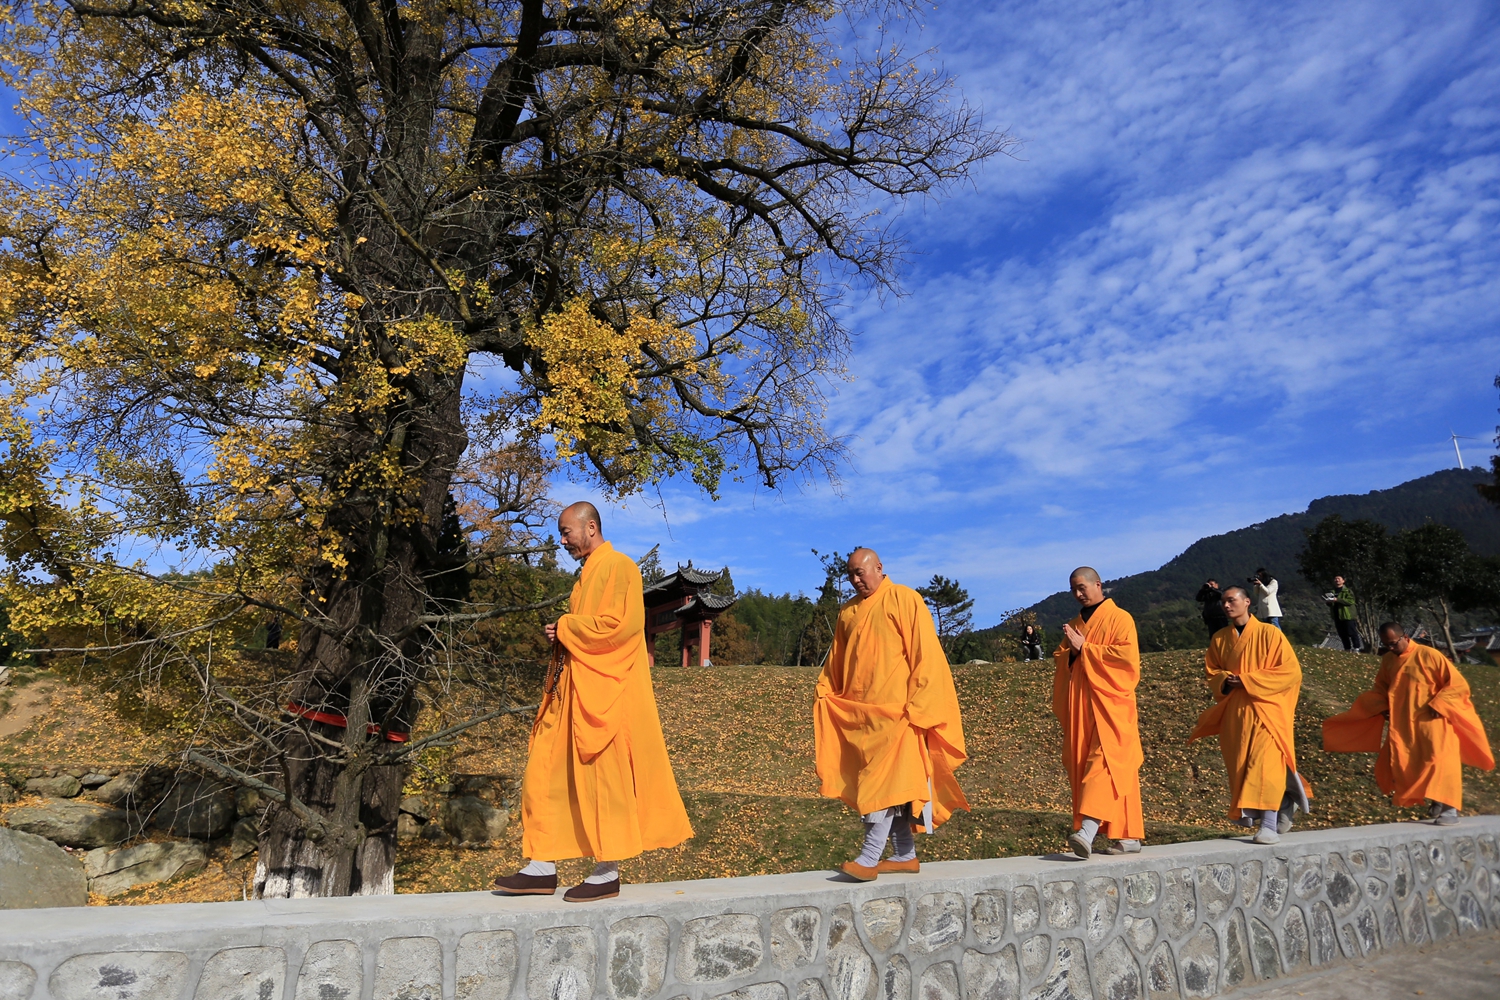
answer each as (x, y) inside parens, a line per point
(705, 629)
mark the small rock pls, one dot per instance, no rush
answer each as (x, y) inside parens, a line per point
(70, 822)
(126, 788)
(416, 805)
(7, 793)
(34, 872)
(76, 772)
(245, 839)
(36, 772)
(62, 787)
(94, 779)
(433, 832)
(111, 873)
(407, 827)
(471, 821)
(197, 808)
(247, 801)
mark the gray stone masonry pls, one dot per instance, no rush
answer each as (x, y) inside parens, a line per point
(1173, 923)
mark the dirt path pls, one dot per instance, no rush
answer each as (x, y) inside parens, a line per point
(26, 706)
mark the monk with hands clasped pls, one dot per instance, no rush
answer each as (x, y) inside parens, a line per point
(598, 783)
(886, 721)
(1093, 696)
(1434, 730)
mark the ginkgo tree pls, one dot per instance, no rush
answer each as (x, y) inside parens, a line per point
(252, 252)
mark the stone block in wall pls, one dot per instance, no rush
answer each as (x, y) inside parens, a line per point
(1250, 875)
(637, 962)
(795, 933)
(1161, 975)
(17, 980)
(1101, 901)
(756, 991)
(1366, 932)
(1421, 863)
(1035, 951)
(1215, 889)
(1277, 883)
(1414, 922)
(1343, 890)
(884, 920)
(991, 977)
(1325, 947)
(1403, 881)
(1440, 919)
(1265, 958)
(1489, 851)
(808, 989)
(1390, 925)
(1116, 974)
(1307, 876)
(1063, 909)
(1069, 975)
(714, 949)
(1446, 885)
(1026, 912)
(120, 975)
(1296, 941)
(1198, 963)
(331, 970)
(243, 974)
(851, 972)
(1179, 908)
(1140, 932)
(1380, 860)
(895, 979)
(1236, 952)
(411, 968)
(1464, 855)
(562, 964)
(486, 966)
(939, 982)
(1142, 890)
(1470, 914)
(937, 923)
(988, 916)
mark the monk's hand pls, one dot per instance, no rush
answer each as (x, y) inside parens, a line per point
(551, 631)
(1074, 637)
(1231, 682)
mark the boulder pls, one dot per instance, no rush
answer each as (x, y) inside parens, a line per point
(197, 808)
(94, 779)
(7, 793)
(71, 822)
(407, 827)
(125, 789)
(245, 839)
(469, 820)
(112, 872)
(247, 801)
(64, 786)
(418, 806)
(34, 872)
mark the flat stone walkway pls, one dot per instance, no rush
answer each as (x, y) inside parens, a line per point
(1467, 969)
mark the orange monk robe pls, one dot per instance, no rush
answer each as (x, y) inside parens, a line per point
(598, 783)
(1434, 729)
(1254, 723)
(1093, 696)
(886, 719)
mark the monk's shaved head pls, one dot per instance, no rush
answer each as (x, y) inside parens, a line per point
(584, 512)
(1236, 589)
(863, 554)
(579, 529)
(865, 571)
(1086, 573)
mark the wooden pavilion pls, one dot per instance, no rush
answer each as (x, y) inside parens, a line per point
(681, 600)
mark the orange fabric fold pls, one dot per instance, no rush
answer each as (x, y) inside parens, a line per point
(1254, 723)
(886, 719)
(1093, 696)
(1434, 729)
(598, 782)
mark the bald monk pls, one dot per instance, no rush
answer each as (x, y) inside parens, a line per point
(886, 719)
(598, 783)
(1434, 729)
(1256, 680)
(1093, 696)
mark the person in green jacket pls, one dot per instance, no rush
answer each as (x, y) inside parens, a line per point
(1341, 603)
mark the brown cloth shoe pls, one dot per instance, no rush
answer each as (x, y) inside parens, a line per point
(858, 871)
(898, 866)
(587, 892)
(526, 885)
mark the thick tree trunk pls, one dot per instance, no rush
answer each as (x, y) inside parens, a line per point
(357, 670)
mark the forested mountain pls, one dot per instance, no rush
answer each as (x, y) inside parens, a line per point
(1162, 599)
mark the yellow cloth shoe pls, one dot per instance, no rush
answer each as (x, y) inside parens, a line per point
(862, 872)
(898, 866)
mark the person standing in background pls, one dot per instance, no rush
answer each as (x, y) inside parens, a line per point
(1212, 600)
(1267, 607)
(1342, 606)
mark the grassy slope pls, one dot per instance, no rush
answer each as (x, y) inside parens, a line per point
(741, 745)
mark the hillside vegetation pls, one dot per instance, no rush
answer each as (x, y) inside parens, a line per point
(741, 744)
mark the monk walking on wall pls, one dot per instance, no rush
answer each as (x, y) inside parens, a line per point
(598, 783)
(886, 719)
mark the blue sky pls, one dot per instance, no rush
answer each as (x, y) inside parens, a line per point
(1247, 257)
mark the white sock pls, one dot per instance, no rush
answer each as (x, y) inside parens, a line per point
(877, 832)
(540, 868)
(903, 842)
(1089, 830)
(604, 871)
(1268, 820)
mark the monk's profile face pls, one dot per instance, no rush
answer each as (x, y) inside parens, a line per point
(579, 534)
(1237, 605)
(1394, 641)
(1087, 592)
(865, 572)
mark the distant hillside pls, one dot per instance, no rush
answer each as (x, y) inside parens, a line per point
(1162, 599)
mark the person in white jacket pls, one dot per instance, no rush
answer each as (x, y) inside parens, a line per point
(1267, 607)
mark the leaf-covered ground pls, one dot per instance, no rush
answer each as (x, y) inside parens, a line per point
(741, 745)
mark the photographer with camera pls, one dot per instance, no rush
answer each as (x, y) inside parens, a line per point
(1212, 599)
(1263, 588)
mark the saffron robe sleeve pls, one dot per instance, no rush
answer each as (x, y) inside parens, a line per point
(1434, 729)
(886, 718)
(1093, 697)
(1254, 721)
(598, 782)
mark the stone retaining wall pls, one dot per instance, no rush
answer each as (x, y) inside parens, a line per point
(1188, 920)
